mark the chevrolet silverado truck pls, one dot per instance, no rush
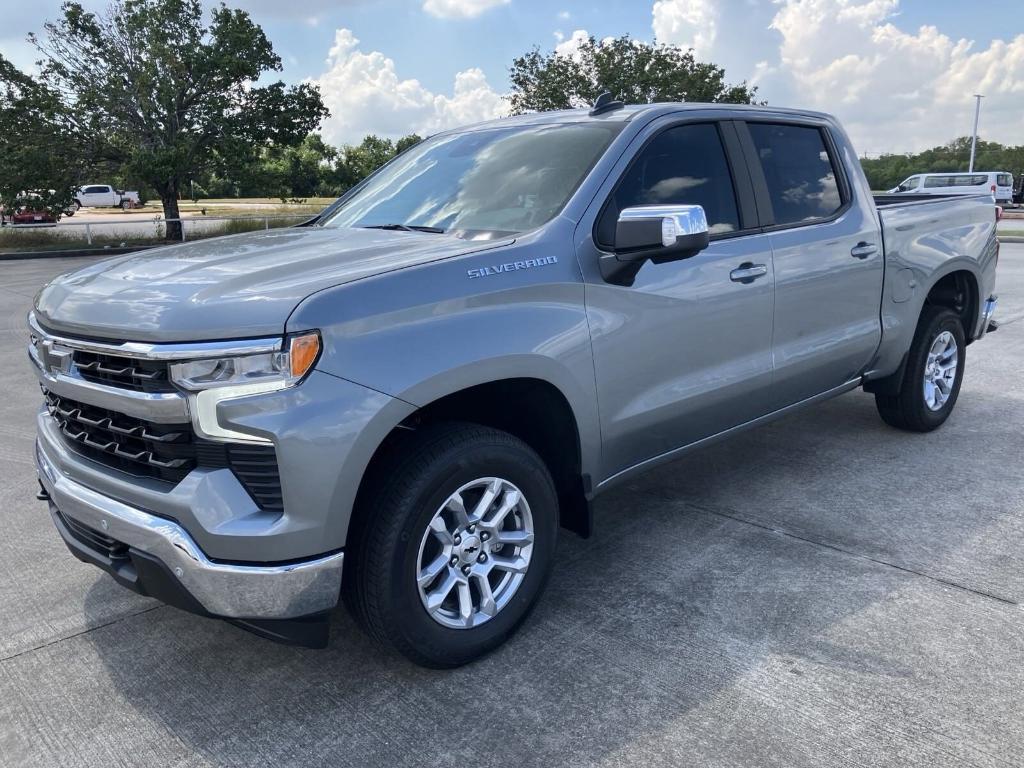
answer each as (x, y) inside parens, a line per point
(400, 403)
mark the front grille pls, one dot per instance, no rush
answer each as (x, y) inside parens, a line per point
(93, 539)
(163, 451)
(166, 452)
(136, 374)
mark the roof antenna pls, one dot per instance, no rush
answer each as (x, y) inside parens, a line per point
(605, 103)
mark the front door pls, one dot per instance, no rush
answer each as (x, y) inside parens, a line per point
(685, 351)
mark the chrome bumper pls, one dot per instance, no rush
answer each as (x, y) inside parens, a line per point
(223, 590)
(988, 310)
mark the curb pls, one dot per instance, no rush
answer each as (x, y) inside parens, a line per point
(72, 253)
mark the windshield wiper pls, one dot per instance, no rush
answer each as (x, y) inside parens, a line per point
(406, 228)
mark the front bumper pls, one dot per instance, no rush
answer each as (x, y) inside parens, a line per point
(157, 557)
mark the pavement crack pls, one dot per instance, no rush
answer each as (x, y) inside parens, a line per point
(85, 631)
(836, 548)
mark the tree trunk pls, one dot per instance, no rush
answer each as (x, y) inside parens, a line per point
(169, 197)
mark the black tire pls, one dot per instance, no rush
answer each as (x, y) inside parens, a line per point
(383, 554)
(78, 205)
(909, 410)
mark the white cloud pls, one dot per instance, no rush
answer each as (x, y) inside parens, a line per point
(366, 95)
(460, 9)
(563, 15)
(894, 89)
(686, 23)
(571, 46)
(897, 90)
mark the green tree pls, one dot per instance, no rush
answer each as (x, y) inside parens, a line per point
(299, 171)
(356, 162)
(41, 161)
(168, 97)
(634, 71)
(886, 171)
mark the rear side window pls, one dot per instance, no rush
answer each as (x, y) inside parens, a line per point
(799, 171)
(685, 165)
(975, 180)
(935, 182)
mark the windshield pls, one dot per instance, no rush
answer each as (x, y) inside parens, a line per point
(479, 184)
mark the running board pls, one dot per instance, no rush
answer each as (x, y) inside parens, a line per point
(676, 453)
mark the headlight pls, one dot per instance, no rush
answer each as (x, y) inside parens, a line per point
(213, 380)
(263, 372)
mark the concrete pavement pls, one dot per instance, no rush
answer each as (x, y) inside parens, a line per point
(822, 591)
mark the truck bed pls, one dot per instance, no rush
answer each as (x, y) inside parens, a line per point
(922, 235)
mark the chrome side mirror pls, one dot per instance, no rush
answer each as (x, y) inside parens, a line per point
(658, 233)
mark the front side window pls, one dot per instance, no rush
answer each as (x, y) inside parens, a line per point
(482, 183)
(685, 165)
(799, 171)
(909, 184)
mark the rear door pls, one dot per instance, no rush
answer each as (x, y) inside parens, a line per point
(827, 256)
(1004, 187)
(684, 351)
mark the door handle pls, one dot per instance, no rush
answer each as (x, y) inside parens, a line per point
(748, 272)
(862, 250)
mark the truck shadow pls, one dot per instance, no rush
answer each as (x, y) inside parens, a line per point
(705, 578)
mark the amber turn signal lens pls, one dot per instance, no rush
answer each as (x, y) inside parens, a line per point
(304, 350)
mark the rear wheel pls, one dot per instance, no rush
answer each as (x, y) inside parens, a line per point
(934, 372)
(452, 544)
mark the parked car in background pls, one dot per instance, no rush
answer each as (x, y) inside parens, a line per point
(401, 401)
(999, 184)
(28, 209)
(1018, 191)
(105, 196)
(25, 215)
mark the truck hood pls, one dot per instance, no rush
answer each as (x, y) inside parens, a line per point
(229, 287)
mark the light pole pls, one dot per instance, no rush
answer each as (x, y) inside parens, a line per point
(974, 138)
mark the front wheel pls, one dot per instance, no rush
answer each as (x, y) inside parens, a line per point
(934, 372)
(453, 544)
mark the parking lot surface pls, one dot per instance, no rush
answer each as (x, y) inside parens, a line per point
(821, 591)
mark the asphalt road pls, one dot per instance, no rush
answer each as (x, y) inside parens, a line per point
(822, 591)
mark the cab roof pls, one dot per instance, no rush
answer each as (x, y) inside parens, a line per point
(629, 112)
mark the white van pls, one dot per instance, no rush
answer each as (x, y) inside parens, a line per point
(999, 184)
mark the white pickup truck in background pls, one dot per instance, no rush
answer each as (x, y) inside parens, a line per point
(105, 196)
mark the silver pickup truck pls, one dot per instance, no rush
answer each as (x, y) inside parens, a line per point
(401, 402)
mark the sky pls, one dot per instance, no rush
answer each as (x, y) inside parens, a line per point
(899, 74)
